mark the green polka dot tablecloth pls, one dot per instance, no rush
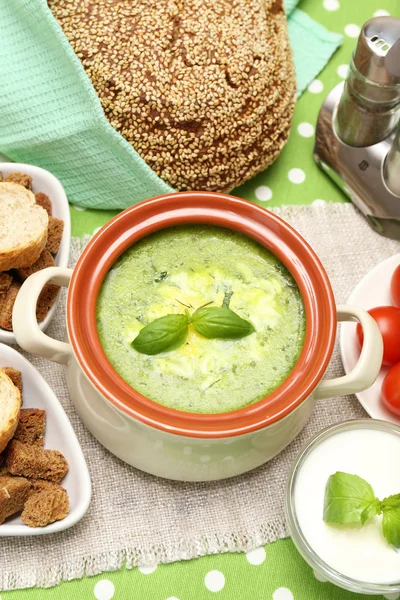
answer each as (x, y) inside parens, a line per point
(275, 572)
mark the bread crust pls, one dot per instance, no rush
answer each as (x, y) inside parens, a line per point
(24, 253)
(8, 427)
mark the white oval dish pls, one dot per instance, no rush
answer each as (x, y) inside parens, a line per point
(38, 394)
(43, 181)
(373, 290)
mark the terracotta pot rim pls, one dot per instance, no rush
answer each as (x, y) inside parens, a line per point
(225, 211)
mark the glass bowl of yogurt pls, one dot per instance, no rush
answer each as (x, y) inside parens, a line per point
(354, 557)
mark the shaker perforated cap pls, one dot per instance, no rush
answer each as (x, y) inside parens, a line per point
(377, 55)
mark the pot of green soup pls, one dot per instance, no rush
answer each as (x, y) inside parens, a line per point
(199, 328)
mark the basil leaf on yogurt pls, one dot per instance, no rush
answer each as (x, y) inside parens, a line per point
(165, 333)
(220, 322)
(349, 499)
(391, 526)
(391, 519)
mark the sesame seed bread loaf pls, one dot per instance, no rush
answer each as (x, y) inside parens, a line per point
(203, 90)
(23, 227)
(10, 403)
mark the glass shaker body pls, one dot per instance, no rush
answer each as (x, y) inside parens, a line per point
(367, 112)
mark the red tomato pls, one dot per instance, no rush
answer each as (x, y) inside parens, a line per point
(395, 287)
(391, 390)
(388, 319)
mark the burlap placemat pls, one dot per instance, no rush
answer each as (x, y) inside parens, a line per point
(137, 519)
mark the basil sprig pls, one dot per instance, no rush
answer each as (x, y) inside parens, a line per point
(351, 499)
(170, 332)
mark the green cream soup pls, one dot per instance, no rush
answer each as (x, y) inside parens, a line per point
(188, 267)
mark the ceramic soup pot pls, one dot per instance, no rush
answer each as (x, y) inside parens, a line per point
(171, 443)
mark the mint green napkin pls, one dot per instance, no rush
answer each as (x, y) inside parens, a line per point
(50, 115)
(312, 46)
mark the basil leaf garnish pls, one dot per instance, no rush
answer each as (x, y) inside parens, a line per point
(220, 322)
(349, 499)
(391, 502)
(391, 519)
(165, 333)
(391, 526)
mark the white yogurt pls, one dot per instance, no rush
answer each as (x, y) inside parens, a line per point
(361, 553)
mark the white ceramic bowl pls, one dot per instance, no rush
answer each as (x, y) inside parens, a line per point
(176, 444)
(43, 181)
(59, 436)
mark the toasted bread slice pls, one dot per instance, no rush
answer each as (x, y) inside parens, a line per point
(23, 227)
(10, 404)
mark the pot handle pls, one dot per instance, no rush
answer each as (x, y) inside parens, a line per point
(369, 364)
(25, 326)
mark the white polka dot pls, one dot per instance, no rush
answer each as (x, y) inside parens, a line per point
(342, 71)
(296, 175)
(263, 193)
(319, 203)
(282, 594)
(148, 570)
(316, 86)
(381, 13)
(331, 5)
(320, 577)
(352, 30)
(187, 450)
(214, 581)
(172, 598)
(158, 444)
(104, 590)
(305, 129)
(227, 459)
(256, 557)
(393, 596)
(79, 208)
(97, 230)
(205, 458)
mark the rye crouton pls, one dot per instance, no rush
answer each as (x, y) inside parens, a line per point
(35, 462)
(44, 201)
(6, 305)
(14, 492)
(20, 178)
(15, 377)
(46, 507)
(38, 485)
(31, 426)
(49, 292)
(5, 282)
(45, 260)
(54, 234)
(46, 300)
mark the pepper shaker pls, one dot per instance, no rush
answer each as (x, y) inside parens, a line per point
(369, 107)
(356, 141)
